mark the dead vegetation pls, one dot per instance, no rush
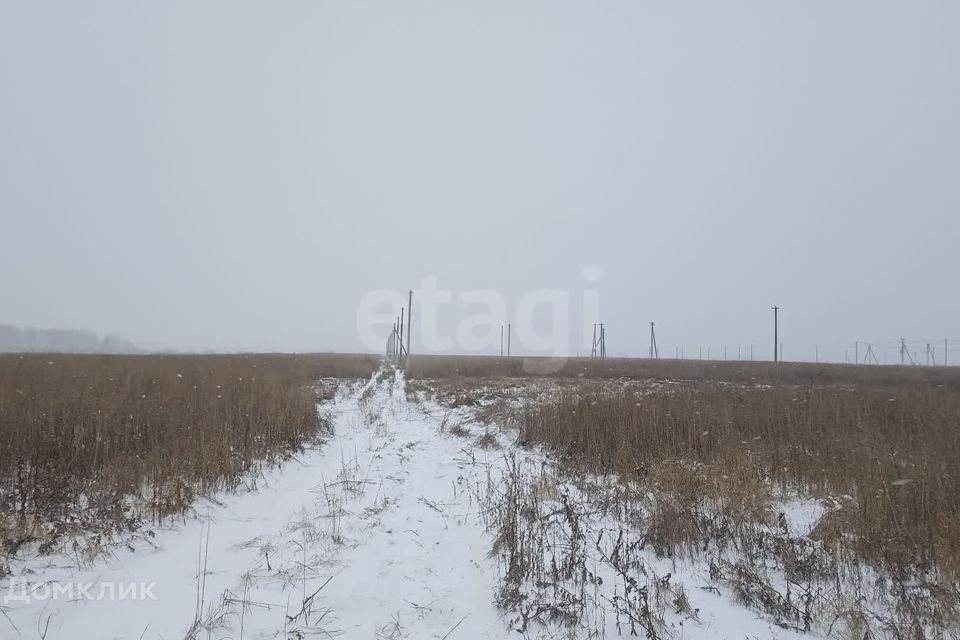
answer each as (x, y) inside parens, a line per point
(649, 466)
(472, 368)
(704, 472)
(729, 450)
(94, 444)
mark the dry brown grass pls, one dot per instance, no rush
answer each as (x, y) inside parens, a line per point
(95, 443)
(893, 451)
(701, 468)
(740, 372)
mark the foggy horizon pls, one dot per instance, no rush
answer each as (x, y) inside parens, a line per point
(238, 177)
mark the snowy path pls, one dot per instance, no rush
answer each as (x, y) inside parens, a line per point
(383, 520)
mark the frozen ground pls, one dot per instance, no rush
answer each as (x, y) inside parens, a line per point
(379, 533)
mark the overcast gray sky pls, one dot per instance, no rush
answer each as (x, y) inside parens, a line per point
(238, 175)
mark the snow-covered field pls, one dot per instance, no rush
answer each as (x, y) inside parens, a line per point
(384, 531)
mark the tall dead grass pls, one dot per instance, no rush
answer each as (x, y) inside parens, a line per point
(887, 457)
(95, 443)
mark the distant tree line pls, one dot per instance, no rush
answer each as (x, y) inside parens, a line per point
(31, 340)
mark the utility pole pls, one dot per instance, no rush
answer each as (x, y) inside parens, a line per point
(816, 353)
(509, 335)
(501, 341)
(654, 352)
(396, 347)
(904, 352)
(856, 352)
(944, 352)
(409, 326)
(775, 329)
(400, 361)
(599, 349)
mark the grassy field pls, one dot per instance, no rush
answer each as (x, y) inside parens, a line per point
(893, 453)
(736, 432)
(742, 372)
(703, 455)
(90, 444)
(704, 461)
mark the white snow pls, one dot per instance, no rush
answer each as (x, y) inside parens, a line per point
(802, 514)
